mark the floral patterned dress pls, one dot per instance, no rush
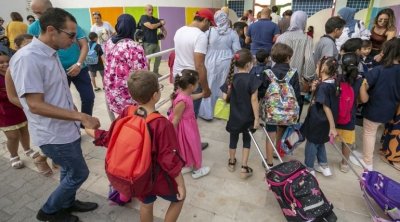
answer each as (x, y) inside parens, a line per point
(122, 58)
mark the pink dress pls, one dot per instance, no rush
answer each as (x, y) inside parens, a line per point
(122, 58)
(188, 133)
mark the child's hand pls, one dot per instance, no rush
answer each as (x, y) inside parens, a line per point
(314, 85)
(332, 134)
(256, 123)
(90, 132)
(181, 192)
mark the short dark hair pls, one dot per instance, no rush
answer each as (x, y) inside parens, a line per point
(19, 39)
(274, 8)
(333, 23)
(198, 18)
(92, 36)
(142, 85)
(261, 55)
(366, 43)
(55, 17)
(29, 17)
(352, 45)
(15, 16)
(288, 13)
(281, 52)
(238, 26)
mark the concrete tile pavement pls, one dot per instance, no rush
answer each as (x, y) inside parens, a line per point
(219, 197)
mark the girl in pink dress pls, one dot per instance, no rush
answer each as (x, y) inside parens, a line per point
(185, 123)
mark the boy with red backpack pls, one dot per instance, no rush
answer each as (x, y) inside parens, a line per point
(142, 157)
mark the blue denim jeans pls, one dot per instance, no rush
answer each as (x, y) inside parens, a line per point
(73, 173)
(315, 150)
(83, 84)
(197, 103)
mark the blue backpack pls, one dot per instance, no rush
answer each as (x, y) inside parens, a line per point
(92, 57)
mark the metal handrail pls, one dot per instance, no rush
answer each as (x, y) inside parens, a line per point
(162, 102)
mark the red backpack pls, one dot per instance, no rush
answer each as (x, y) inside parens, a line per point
(128, 160)
(346, 103)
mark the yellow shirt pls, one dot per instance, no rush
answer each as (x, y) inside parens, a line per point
(14, 29)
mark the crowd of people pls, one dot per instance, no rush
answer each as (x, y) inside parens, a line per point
(215, 59)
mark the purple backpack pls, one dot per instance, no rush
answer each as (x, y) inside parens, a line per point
(385, 192)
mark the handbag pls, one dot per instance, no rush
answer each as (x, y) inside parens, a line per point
(221, 109)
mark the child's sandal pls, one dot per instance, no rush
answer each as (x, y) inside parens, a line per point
(231, 165)
(247, 173)
(32, 154)
(16, 163)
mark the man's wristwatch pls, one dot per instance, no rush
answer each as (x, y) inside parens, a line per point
(79, 64)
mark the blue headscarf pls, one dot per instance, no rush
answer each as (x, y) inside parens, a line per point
(348, 15)
(125, 28)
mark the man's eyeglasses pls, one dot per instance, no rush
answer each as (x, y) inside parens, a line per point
(160, 87)
(71, 35)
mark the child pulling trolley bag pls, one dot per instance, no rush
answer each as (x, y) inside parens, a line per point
(296, 190)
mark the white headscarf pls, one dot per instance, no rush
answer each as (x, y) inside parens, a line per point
(222, 22)
(298, 21)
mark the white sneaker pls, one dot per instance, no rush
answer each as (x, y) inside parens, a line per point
(326, 171)
(353, 160)
(203, 171)
(186, 170)
(312, 172)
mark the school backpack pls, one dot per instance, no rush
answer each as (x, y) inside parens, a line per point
(92, 57)
(128, 160)
(298, 193)
(346, 103)
(279, 105)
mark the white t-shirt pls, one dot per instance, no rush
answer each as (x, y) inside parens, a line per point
(104, 32)
(188, 40)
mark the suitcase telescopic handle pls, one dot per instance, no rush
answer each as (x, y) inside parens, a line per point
(272, 143)
(347, 161)
(251, 131)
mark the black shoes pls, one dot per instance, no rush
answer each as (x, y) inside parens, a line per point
(79, 206)
(60, 216)
(204, 146)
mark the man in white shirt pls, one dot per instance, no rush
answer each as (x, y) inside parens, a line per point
(190, 51)
(275, 18)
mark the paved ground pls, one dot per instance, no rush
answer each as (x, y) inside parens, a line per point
(220, 197)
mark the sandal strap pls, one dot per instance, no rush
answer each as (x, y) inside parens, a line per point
(14, 159)
(248, 169)
(231, 163)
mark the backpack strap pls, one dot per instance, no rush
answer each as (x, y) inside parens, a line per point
(153, 116)
(271, 75)
(290, 74)
(93, 46)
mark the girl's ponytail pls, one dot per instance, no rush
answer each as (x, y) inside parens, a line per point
(229, 80)
(176, 86)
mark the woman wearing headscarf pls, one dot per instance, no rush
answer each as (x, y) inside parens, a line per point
(302, 45)
(223, 42)
(353, 28)
(123, 55)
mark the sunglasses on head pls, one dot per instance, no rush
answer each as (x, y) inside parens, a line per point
(71, 35)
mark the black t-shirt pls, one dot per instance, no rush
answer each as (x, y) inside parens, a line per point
(384, 93)
(150, 35)
(241, 115)
(316, 124)
(356, 88)
(99, 66)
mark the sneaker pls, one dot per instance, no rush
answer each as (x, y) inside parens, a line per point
(203, 171)
(312, 172)
(97, 89)
(344, 168)
(204, 145)
(186, 170)
(326, 171)
(353, 160)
